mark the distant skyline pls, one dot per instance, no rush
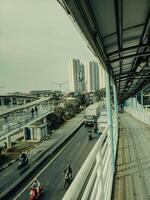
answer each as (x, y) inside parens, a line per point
(37, 39)
(85, 76)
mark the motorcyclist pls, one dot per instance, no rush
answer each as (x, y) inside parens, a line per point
(23, 156)
(36, 185)
(90, 133)
(95, 128)
(68, 171)
(33, 192)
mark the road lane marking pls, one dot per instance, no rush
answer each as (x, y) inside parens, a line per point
(46, 166)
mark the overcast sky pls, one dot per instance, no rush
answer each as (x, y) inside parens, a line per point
(37, 39)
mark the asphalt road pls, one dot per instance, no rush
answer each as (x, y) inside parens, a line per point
(51, 176)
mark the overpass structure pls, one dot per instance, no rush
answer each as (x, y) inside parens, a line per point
(118, 33)
(16, 118)
(6, 112)
(15, 99)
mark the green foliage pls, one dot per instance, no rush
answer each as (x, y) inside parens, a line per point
(100, 94)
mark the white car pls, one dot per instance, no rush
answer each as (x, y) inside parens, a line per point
(102, 121)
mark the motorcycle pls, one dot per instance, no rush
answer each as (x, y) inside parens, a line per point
(22, 162)
(90, 135)
(68, 180)
(34, 193)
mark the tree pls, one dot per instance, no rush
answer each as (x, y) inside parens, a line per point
(100, 94)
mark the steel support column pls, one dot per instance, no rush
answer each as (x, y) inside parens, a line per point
(11, 101)
(2, 103)
(24, 101)
(136, 101)
(109, 113)
(142, 99)
(8, 140)
(115, 99)
(17, 101)
(115, 127)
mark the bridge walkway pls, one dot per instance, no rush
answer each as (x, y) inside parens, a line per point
(132, 179)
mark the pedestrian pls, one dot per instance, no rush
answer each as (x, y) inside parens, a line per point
(32, 112)
(36, 110)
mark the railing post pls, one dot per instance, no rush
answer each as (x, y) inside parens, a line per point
(142, 99)
(136, 101)
(109, 112)
(116, 115)
(115, 99)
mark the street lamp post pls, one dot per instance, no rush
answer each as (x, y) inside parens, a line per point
(60, 84)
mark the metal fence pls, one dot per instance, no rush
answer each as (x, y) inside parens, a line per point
(95, 178)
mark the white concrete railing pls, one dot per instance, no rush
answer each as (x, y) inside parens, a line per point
(95, 178)
(139, 113)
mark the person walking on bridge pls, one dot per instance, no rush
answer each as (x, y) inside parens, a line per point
(32, 112)
(36, 110)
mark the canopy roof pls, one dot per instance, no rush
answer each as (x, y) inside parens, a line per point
(119, 33)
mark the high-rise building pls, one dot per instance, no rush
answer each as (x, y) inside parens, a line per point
(102, 77)
(92, 76)
(76, 76)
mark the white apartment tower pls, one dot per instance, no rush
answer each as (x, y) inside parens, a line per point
(92, 76)
(76, 76)
(102, 77)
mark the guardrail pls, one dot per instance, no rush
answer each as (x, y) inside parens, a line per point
(139, 113)
(95, 178)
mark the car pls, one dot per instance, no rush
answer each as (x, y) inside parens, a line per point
(102, 121)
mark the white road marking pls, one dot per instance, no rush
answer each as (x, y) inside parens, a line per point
(44, 168)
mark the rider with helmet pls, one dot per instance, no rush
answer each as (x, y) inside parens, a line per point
(23, 156)
(36, 185)
(68, 171)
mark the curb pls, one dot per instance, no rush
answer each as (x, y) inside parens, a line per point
(15, 160)
(50, 152)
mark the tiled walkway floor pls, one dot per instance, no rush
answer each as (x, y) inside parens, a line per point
(132, 180)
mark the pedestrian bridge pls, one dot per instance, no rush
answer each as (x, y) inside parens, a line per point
(132, 178)
(117, 168)
(15, 99)
(118, 33)
(16, 118)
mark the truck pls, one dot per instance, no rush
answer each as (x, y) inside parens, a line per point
(102, 121)
(92, 113)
